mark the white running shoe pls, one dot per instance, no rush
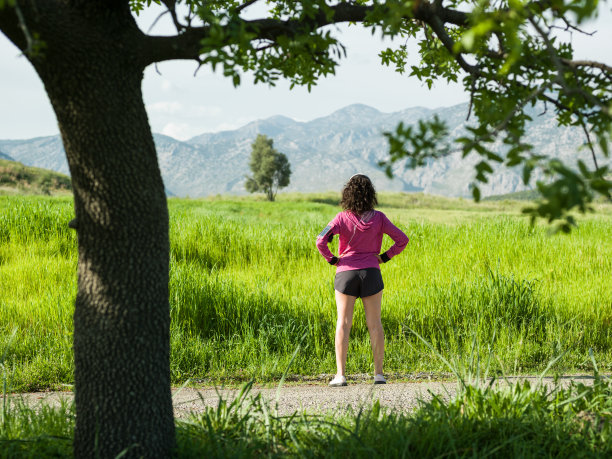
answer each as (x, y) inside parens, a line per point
(338, 381)
(379, 379)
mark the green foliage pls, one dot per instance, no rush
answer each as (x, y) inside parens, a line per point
(571, 189)
(137, 6)
(399, 57)
(247, 283)
(417, 145)
(301, 53)
(271, 169)
(517, 62)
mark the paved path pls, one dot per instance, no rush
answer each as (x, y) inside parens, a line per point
(314, 398)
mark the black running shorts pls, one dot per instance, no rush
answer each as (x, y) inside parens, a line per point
(359, 282)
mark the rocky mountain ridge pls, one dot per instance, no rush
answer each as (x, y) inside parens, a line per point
(323, 153)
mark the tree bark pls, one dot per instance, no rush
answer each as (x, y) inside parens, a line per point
(92, 72)
(121, 319)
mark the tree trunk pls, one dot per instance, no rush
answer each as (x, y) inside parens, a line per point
(121, 319)
(92, 73)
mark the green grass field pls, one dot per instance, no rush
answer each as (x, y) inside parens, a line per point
(247, 287)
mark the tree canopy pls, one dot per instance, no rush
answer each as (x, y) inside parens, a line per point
(271, 169)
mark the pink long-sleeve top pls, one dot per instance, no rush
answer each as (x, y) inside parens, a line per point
(360, 239)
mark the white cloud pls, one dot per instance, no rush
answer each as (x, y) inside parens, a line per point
(230, 126)
(173, 108)
(180, 131)
(165, 108)
(224, 127)
(205, 110)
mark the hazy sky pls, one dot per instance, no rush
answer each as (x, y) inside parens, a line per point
(181, 105)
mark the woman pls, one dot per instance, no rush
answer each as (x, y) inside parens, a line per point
(361, 230)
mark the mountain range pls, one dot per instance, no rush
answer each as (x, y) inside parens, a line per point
(323, 153)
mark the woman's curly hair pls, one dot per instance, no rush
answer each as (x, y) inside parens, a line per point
(359, 195)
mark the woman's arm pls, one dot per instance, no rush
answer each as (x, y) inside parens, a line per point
(399, 238)
(324, 238)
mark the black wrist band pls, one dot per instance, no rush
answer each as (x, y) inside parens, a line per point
(333, 261)
(384, 257)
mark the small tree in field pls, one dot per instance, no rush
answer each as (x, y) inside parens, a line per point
(271, 169)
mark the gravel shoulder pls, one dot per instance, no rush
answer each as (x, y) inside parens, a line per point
(309, 398)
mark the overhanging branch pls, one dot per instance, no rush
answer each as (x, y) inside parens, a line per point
(186, 45)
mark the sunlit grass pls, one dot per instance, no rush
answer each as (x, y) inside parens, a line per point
(247, 285)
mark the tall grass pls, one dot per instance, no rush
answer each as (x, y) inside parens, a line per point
(247, 285)
(518, 420)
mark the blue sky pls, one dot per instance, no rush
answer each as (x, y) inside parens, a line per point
(182, 105)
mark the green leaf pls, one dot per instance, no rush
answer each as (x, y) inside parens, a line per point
(527, 170)
(476, 193)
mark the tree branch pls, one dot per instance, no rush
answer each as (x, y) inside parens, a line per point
(492, 134)
(183, 46)
(9, 25)
(245, 5)
(25, 29)
(162, 14)
(570, 26)
(589, 143)
(171, 5)
(599, 65)
(560, 79)
(186, 45)
(437, 26)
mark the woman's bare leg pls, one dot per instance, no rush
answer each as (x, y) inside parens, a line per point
(372, 305)
(345, 305)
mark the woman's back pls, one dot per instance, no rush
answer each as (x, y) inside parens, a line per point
(361, 239)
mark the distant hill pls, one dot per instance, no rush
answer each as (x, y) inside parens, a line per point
(17, 178)
(324, 153)
(526, 195)
(6, 157)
